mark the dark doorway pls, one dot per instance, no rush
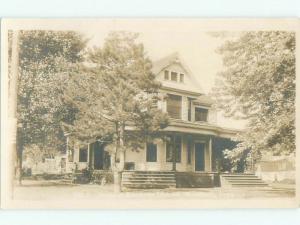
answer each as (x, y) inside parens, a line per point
(98, 156)
(199, 156)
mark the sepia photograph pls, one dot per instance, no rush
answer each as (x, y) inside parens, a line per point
(148, 113)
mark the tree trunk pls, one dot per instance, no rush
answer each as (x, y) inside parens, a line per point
(117, 181)
(115, 172)
(122, 155)
(19, 167)
(20, 146)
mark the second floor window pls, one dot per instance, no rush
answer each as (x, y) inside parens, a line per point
(201, 114)
(174, 106)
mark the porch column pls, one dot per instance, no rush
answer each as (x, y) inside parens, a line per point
(210, 153)
(208, 156)
(91, 155)
(67, 149)
(88, 154)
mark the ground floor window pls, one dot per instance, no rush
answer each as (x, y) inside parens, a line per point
(176, 143)
(151, 152)
(83, 154)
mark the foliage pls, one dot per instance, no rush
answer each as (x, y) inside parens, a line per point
(258, 84)
(44, 58)
(116, 90)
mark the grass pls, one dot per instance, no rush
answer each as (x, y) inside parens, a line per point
(55, 190)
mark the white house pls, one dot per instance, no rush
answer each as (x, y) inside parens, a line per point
(193, 128)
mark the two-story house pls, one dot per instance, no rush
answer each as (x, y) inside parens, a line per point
(192, 129)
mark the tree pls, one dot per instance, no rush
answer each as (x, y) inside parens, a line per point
(116, 96)
(44, 58)
(258, 84)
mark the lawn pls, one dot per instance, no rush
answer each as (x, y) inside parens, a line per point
(49, 190)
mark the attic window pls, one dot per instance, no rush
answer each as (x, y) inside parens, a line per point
(181, 78)
(173, 76)
(166, 75)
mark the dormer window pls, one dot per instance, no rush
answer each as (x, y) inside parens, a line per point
(166, 75)
(201, 114)
(181, 78)
(174, 76)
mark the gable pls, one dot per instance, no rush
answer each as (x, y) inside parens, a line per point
(185, 80)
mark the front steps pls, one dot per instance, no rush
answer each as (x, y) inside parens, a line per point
(241, 180)
(148, 179)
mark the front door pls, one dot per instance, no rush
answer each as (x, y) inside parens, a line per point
(199, 156)
(98, 156)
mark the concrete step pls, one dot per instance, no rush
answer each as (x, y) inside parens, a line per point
(148, 186)
(148, 179)
(151, 174)
(235, 175)
(147, 172)
(245, 181)
(242, 180)
(250, 184)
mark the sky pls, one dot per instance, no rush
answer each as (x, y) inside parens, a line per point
(161, 37)
(195, 45)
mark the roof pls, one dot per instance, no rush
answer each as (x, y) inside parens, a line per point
(205, 100)
(163, 63)
(201, 128)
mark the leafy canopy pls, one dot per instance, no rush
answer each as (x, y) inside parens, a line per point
(115, 90)
(258, 84)
(45, 57)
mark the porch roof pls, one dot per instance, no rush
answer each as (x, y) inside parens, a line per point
(201, 128)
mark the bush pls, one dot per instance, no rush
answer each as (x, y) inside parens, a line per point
(102, 177)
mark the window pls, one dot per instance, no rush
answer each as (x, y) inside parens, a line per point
(173, 142)
(181, 78)
(166, 75)
(201, 114)
(173, 76)
(151, 152)
(174, 106)
(83, 153)
(189, 152)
